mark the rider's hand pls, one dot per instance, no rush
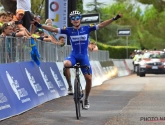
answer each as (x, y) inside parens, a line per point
(117, 16)
(37, 24)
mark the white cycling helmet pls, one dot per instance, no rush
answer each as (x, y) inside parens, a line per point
(75, 12)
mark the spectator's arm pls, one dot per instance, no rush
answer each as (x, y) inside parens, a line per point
(33, 27)
(47, 39)
(25, 30)
(49, 28)
(53, 40)
(18, 34)
(60, 43)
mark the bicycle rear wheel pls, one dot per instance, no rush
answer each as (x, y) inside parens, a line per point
(77, 97)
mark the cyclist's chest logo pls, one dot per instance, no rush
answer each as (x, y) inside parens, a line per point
(82, 31)
(79, 38)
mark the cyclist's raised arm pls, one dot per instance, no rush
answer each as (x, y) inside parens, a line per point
(107, 22)
(49, 28)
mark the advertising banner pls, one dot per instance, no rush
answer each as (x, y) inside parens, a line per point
(60, 66)
(124, 32)
(33, 78)
(60, 85)
(90, 18)
(72, 71)
(96, 76)
(48, 79)
(17, 87)
(100, 70)
(7, 108)
(58, 12)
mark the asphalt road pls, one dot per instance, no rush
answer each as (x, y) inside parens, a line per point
(130, 100)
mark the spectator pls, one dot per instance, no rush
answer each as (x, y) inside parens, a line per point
(61, 41)
(39, 34)
(131, 56)
(2, 20)
(26, 6)
(17, 29)
(19, 15)
(9, 16)
(33, 28)
(92, 46)
(48, 22)
(18, 18)
(7, 30)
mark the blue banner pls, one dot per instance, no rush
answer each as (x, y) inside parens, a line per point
(60, 85)
(7, 108)
(48, 80)
(33, 78)
(17, 87)
(26, 85)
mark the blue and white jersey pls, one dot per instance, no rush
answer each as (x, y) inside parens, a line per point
(79, 38)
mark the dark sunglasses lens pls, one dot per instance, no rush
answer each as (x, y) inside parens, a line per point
(75, 17)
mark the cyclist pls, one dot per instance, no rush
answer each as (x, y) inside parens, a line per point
(79, 41)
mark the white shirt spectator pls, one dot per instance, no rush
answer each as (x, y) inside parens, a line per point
(28, 16)
(24, 4)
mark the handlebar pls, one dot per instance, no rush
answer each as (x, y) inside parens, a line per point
(77, 65)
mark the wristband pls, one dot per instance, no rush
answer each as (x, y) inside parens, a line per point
(38, 24)
(116, 17)
(13, 34)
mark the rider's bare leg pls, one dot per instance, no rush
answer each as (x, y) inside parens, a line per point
(67, 73)
(88, 79)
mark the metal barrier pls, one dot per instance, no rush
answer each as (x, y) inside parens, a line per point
(17, 49)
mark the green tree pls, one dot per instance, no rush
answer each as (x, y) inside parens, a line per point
(38, 8)
(130, 20)
(94, 7)
(158, 4)
(147, 26)
(8, 7)
(80, 5)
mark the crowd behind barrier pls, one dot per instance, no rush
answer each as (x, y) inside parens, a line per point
(17, 49)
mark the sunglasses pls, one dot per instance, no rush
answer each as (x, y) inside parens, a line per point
(78, 17)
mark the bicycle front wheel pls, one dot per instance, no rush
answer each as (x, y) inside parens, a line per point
(77, 97)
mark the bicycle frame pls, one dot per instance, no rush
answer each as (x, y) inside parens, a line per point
(78, 92)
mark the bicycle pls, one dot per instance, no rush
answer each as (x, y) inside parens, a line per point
(78, 91)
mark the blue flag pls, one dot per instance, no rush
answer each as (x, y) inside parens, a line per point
(34, 52)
